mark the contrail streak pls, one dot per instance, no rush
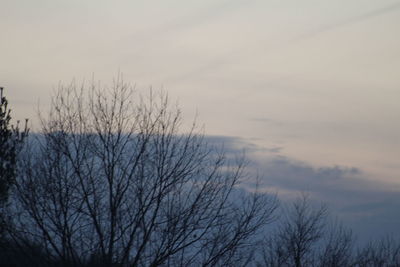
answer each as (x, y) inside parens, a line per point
(348, 21)
(219, 62)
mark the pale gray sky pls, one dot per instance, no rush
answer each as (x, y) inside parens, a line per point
(318, 79)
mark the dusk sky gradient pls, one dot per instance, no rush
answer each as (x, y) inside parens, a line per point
(311, 88)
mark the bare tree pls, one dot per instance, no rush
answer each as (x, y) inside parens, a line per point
(113, 181)
(301, 230)
(306, 237)
(337, 247)
(382, 253)
(293, 243)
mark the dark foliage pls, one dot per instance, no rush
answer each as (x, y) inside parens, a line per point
(11, 139)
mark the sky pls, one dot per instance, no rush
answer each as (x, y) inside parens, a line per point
(309, 88)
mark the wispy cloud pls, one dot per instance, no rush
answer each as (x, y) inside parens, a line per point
(347, 22)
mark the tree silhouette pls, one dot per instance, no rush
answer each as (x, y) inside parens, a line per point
(304, 237)
(112, 180)
(384, 252)
(10, 141)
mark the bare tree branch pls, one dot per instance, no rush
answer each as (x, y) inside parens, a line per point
(113, 180)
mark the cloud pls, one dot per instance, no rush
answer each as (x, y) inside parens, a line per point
(368, 206)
